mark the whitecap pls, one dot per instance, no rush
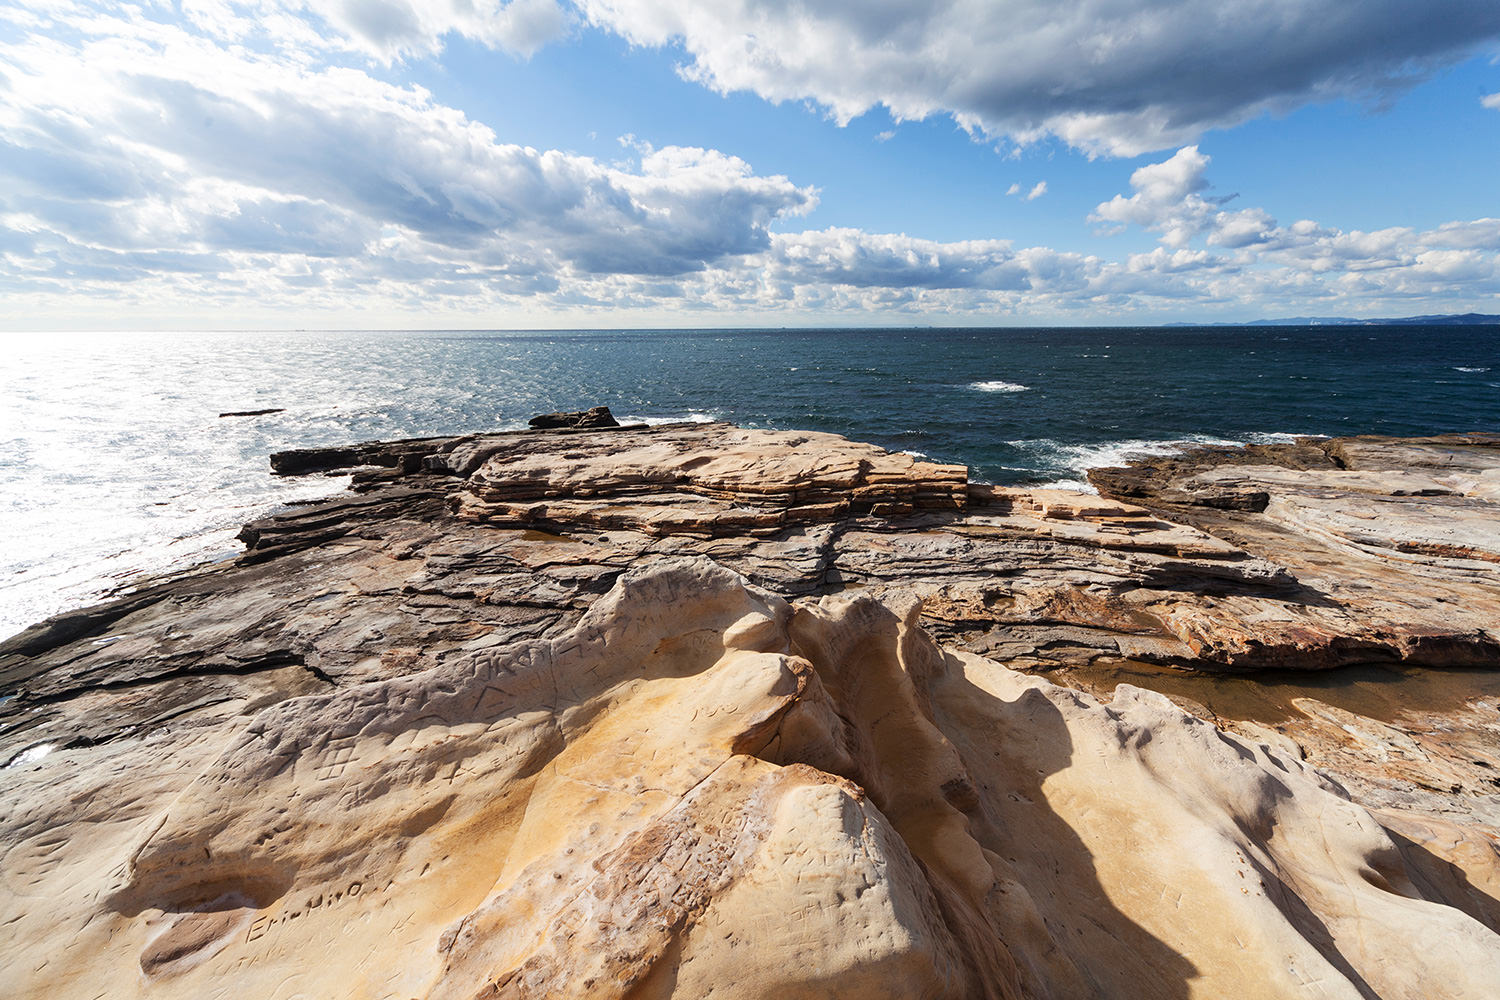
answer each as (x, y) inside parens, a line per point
(688, 418)
(1073, 461)
(1462, 369)
(1076, 485)
(1107, 454)
(1277, 437)
(999, 386)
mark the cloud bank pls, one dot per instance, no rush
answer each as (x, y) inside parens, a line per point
(385, 30)
(144, 148)
(1119, 77)
(175, 167)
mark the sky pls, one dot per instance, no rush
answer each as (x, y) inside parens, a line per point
(442, 164)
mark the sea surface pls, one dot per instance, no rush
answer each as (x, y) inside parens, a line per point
(114, 462)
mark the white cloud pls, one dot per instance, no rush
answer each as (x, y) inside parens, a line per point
(144, 143)
(151, 166)
(1108, 76)
(1243, 256)
(1037, 190)
(1480, 234)
(1168, 199)
(870, 260)
(1308, 259)
(1491, 101)
(386, 30)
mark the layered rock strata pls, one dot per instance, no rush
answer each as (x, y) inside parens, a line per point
(658, 712)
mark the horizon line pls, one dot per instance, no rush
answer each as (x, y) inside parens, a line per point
(1290, 323)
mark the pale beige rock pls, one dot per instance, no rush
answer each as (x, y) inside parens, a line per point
(718, 480)
(458, 734)
(703, 791)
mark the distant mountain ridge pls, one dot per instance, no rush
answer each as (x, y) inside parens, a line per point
(1451, 319)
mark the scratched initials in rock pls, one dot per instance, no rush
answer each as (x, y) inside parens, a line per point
(334, 766)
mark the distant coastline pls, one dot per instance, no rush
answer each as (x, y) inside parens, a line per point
(1451, 319)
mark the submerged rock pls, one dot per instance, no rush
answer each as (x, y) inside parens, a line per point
(695, 710)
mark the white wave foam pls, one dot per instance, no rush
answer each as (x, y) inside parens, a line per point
(1471, 369)
(688, 418)
(1076, 485)
(1083, 457)
(915, 454)
(1276, 437)
(1075, 460)
(999, 386)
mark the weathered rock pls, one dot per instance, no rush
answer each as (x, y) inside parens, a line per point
(715, 481)
(529, 714)
(1393, 542)
(404, 456)
(594, 416)
(701, 789)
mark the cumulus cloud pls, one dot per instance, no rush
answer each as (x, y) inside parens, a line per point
(386, 30)
(1169, 199)
(142, 139)
(1210, 258)
(869, 260)
(1108, 76)
(167, 166)
(1491, 101)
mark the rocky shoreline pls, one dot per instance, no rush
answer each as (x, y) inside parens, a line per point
(697, 710)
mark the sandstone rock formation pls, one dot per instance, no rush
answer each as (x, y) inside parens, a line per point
(596, 416)
(657, 712)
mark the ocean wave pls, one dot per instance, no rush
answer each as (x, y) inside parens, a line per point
(998, 386)
(1070, 463)
(1462, 369)
(1106, 454)
(1076, 485)
(1276, 437)
(683, 418)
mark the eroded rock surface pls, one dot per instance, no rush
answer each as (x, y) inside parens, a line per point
(596, 416)
(651, 712)
(1395, 543)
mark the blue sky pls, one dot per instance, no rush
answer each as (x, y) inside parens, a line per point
(556, 163)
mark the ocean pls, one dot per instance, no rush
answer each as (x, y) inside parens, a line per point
(114, 462)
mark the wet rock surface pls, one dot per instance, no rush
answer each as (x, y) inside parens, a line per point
(695, 709)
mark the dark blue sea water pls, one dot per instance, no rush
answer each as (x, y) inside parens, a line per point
(113, 460)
